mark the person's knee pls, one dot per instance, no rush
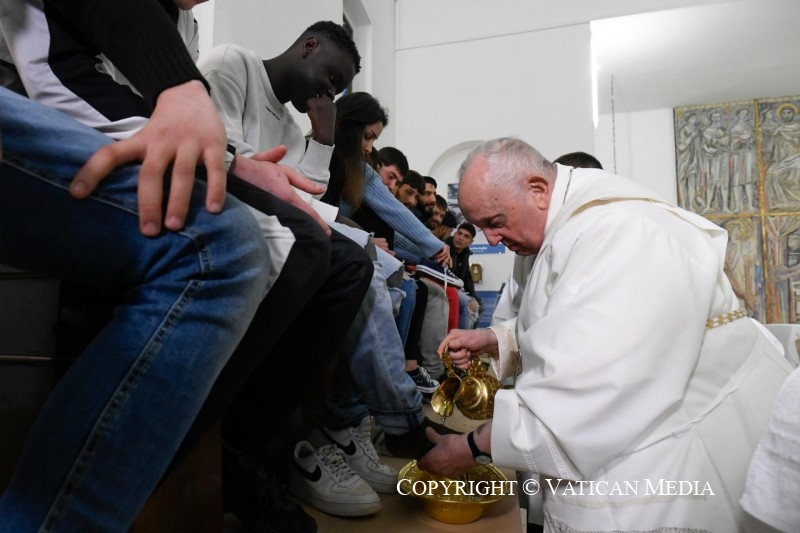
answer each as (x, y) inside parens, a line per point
(236, 248)
(351, 259)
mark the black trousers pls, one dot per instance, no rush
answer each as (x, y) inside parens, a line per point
(297, 330)
(412, 349)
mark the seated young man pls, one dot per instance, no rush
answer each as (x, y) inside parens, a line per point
(191, 280)
(427, 200)
(393, 166)
(251, 95)
(468, 302)
(311, 278)
(410, 190)
(439, 209)
(446, 227)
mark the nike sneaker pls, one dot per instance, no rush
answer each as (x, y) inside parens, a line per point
(356, 445)
(323, 479)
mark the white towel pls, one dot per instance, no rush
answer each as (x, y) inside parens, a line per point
(772, 489)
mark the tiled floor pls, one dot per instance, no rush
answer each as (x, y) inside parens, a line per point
(405, 513)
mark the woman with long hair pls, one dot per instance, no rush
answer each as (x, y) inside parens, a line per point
(360, 120)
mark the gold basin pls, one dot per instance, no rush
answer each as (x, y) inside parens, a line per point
(453, 508)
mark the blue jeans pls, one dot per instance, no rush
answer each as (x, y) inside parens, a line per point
(112, 424)
(407, 305)
(371, 377)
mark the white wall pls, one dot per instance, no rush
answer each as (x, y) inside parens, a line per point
(269, 26)
(534, 85)
(645, 149)
(375, 38)
(204, 15)
(442, 21)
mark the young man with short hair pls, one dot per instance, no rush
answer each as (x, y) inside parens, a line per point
(251, 94)
(410, 190)
(437, 214)
(311, 277)
(394, 166)
(468, 301)
(428, 198)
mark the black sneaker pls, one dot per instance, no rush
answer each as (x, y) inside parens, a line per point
(414, 444)
(438, 272)
(256, 496)
(425, 384)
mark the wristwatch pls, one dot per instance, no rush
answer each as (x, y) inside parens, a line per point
(482, 458)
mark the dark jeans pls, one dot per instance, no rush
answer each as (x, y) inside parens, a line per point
(313, 319)
(413, 352)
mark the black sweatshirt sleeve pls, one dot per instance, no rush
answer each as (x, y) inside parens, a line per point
(138, 36)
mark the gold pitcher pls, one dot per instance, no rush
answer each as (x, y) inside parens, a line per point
(473, 394)
(475, 398)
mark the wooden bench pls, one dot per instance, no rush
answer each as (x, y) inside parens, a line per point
(188, 500)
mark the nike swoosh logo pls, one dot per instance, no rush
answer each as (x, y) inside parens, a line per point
(311, 476)
(350, 449)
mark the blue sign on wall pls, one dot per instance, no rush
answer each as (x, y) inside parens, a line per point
(486, 248)
(489, 300)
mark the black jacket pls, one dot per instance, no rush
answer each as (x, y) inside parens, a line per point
(461, 267)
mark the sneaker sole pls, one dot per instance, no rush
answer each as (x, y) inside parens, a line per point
(427, 390)
(384, 487)
(304, 492)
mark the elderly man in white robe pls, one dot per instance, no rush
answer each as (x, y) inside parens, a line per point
(642, 389)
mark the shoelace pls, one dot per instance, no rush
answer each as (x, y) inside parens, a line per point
(334, 459)
(424, 373)
(363, 435)
(450, 273)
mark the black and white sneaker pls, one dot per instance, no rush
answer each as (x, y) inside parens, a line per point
(438, 272)
(424, 382)
(323, 479)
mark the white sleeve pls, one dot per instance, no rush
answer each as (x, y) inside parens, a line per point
(507, 361)
(315, 164)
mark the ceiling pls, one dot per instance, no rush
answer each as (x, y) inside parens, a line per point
(720, 52)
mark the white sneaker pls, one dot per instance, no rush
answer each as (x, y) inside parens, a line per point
(356, 444)
(323, 479)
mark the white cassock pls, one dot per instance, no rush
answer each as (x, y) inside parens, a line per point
(621, 382)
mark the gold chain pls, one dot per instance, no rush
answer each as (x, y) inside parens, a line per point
(725, 318)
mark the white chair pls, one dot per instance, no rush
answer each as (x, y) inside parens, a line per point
(788, 335)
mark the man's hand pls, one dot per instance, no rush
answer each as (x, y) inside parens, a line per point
(443, 257)
(450, 456)
(383, 244)
(184, 130)
(263, 171)
(464, 343)
(322, 114)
